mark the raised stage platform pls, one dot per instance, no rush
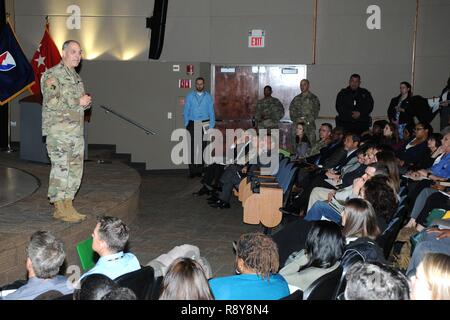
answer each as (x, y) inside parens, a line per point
(111, 189)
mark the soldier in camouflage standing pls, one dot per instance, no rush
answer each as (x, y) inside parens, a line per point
(64, 102)
(269, 111)
(305, 107)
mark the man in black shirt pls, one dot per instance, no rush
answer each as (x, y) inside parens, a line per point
(354, 106)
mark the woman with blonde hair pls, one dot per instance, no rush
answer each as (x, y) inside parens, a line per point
(185, 280)
(432, 279)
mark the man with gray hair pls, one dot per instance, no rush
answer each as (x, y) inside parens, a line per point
(45, 256)
(63, 106)
(110, 237)
(375, 281)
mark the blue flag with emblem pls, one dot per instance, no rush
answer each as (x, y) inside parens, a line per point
(16, 73)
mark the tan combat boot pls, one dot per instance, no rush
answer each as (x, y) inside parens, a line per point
(69, 207)
(63, 214)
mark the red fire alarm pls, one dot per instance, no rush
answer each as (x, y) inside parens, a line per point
(190, 69)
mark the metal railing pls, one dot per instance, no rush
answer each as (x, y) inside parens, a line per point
(125, 118)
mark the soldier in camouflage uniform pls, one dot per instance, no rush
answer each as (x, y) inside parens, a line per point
(305, 107)
(269, 111)
(64, 102)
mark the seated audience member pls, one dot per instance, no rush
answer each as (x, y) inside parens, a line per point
(322, 178)
(435, 150)
(365, 159)
(390, 137)
(399, 111)
(325, 139)
(432, 240)
(379, 192)
(432, 280)
(432, 199)
(302, 144)
(369, 281)
(185, 280)
(416, 148)
(236, 152)
(388, 159)
(94, 287)
(45, 256)
(234, 173)
(408, 133)
(376, 134)
(360, 230)
(323, 250)
(110, 237)
(257, 265)
(381, 189)
(120, 293)
(440, 171)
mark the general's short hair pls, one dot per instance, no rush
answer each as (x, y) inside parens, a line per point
(200, 78)
(375, 281)
(355, 75)
(67, 42)
(46, 253)
(114, 232)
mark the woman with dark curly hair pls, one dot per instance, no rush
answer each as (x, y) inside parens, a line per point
(379, 191)
(257, 264)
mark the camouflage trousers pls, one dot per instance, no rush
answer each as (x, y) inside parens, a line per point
(66, 155)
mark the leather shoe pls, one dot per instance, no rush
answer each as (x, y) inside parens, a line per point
(213, 201)
(220, 205)
(286, 211)
(213, 198)
(201, 192)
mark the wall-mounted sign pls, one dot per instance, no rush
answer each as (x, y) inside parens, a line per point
(184, 84)
(228, 70)
(176, 68)
(190, 69)
(256, 38)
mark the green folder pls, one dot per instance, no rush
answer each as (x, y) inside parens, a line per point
(86, 254)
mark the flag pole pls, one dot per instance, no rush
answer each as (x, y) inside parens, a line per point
(8, 106)
(4, 113)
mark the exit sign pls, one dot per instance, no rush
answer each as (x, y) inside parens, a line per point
(256, 38)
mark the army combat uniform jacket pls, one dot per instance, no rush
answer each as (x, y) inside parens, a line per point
(62, 113)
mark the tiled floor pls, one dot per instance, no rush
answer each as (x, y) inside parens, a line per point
(170, 215)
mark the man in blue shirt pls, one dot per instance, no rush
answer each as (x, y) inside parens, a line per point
(198, 116)
(45, 256)
(109, 239)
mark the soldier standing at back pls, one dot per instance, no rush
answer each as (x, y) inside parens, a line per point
(269, 111)
(64, 102)
(305, 107)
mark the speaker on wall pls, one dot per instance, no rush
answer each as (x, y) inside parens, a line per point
(157, 23)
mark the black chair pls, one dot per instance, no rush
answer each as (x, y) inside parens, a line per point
(387, 239)
(296, 295)
(142, 282)
(65, 297)
(325, 287)
(348, 260)
(49, 295)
